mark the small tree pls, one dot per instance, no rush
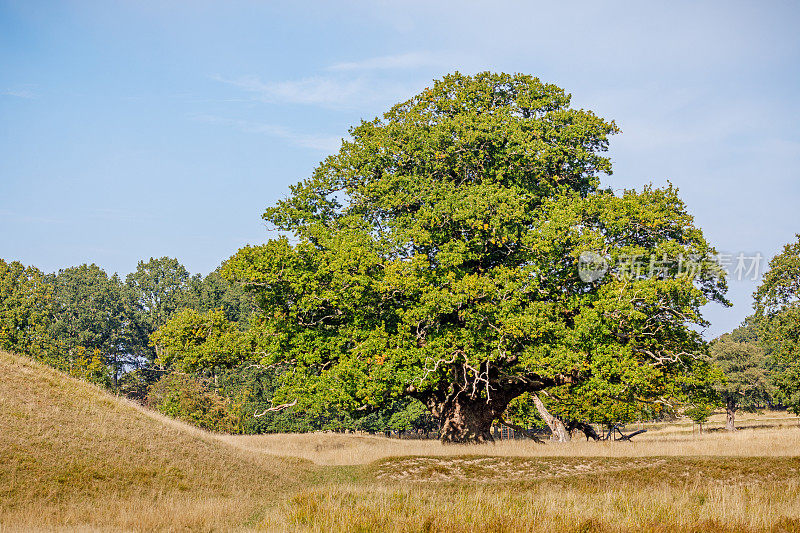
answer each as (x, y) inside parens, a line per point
(745, 383)
(700, 412)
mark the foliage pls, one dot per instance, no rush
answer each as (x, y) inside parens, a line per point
(777, 305)
(187, 398)
(745, 384)
(246, 392)
(522, 411)
(581, 404)
(410, 415)
(154, 292)
(89, 365)
(135, 382)
(88, 322)
(250, 390)
(437, 256)
(191, 341)
(214, 292)
(746, 332)
(700, 412)
(25, 309)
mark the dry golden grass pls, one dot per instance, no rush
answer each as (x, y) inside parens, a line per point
(780, 438)
(73, 457)
(546, 507)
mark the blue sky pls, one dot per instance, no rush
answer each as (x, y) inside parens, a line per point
(138, 129)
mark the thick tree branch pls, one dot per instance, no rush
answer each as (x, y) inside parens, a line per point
(275, 408)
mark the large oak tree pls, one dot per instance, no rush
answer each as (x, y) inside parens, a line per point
(437, 255)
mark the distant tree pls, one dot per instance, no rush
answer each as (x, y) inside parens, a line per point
(88, 321)
(436, 256)
(581, 406)
(745, 384)
(612, 404)
(25, 310)
(746, 332)
(700, 412)
(409, 415)
(153, 293)
(191, 341)
(215, 292)
(777, 305)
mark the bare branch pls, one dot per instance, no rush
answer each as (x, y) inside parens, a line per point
(275, 408)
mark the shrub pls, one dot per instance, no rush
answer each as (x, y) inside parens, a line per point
(189, 399)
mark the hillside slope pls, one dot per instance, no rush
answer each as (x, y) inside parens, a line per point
(74, 455)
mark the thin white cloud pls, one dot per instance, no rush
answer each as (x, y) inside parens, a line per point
(323, 143)
(19, 93)
(28, 218)
(310, 91)
(348, 85)
(116, 214)
(336, 91)
(410, 60)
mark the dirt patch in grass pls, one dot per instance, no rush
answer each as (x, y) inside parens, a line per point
(638, 470)
(490, 469)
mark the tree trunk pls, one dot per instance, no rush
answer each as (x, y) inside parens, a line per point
(730, 411)
(466, 411)
(467, 420)
(555, 424)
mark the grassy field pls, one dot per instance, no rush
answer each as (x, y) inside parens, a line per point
(73, 457)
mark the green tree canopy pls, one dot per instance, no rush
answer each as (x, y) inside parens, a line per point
(436, 256)
(745, 384)
(777, 305)
(88, 319)
(215, 292)
(154, 292)
(191, 341)
(25, 309)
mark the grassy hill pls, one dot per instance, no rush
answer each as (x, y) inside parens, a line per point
(74, 455)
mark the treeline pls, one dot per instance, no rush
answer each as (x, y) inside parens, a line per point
(106, 330)
(193, 347)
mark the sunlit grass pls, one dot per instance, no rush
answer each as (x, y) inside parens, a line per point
(545, 507)
(778, 435)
